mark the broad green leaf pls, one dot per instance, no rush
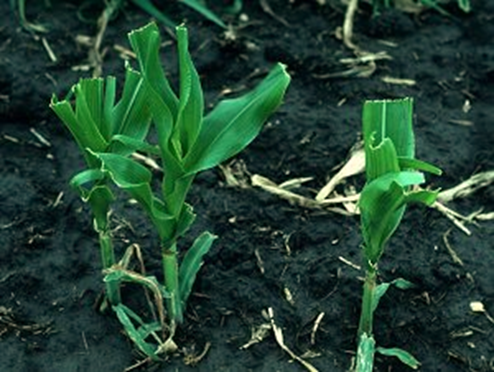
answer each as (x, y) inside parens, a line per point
(131, 116)
(387, 119)
(391, 119)
(175, 192)
(199, 7)
(96, 119)
(162, 102)
(234, 123)
(135, 179)
(382, 203)
(191, 105)
(365, 354)
(146, 43)
(404, 356)
(124, 315)
(89, 98)
(380, 159)
(192, 262)
(163, 121)
(83, 129)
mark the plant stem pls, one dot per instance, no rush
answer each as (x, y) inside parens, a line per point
(170, 273)
(367, 312)
(108, 260)
(365, 340)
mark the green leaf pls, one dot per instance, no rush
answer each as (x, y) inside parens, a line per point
(387, 119)
(379, 292)
(100, 199)
(381, 159)
(162, 101)
(234, 123)
(135, 179)
(131, 144)
(124, 315)
(108, 104)
(382, 203)
(235, 8)
(401, 283)
(418, 165)
(365, 354)
(465, 5)
(83, 129)
(131, 116)
(199, 7)
(402, 355)
(192, 262)
(391, 119)
(185, 220)
(88, 175)
(191, 105)
(89, 105)
(146, 43)
(382, 288)
(434, 5)
(98, 196)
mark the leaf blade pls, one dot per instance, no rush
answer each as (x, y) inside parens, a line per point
(234, 123)
(404, 356)
(192, 262)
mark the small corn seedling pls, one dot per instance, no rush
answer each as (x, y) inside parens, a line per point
(188, 143)
(392, 172)
(97, 125)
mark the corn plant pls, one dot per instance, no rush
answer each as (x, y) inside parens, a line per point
(187, 142)
(392, 172)
(99, 124)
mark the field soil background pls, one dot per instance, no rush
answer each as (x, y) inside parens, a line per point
(298, 260)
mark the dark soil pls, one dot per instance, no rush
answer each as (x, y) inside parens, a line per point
(50, 273)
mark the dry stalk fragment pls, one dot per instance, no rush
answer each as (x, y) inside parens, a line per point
(314, 329)
(278, 334)
(467, 187)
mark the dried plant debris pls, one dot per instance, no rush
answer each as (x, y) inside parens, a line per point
(467, 187)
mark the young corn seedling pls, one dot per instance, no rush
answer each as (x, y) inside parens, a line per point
(188, 142)
(392, 172)
(98, 124)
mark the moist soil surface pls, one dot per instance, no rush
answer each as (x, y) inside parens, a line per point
(299, 261)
